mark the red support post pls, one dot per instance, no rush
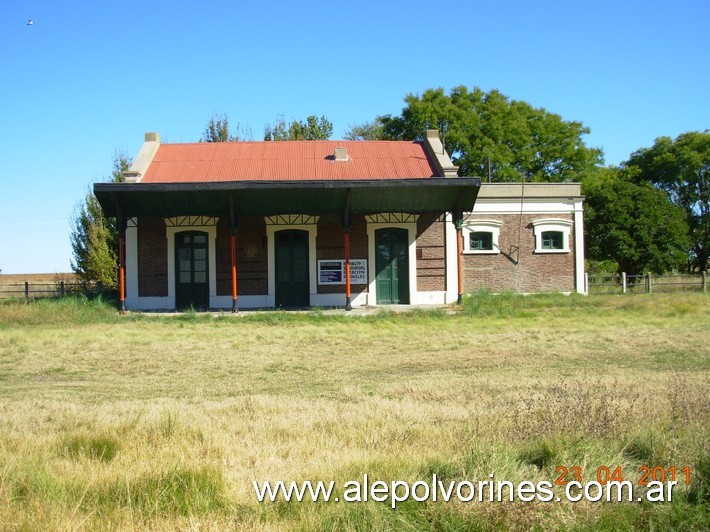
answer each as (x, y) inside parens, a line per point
(348, 305)
(234, 272)
(122, 271)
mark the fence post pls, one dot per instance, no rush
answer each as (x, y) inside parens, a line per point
(623, 282)
(649, 284)
(586, 282)
(27, 292)
(61, 288)
(704, 276)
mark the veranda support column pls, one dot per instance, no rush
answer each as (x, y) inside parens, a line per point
(234, 271)
(459, 265)
(348, 305)
(233, 225)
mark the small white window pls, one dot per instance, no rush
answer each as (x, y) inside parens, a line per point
(481, 237)
(552, 235)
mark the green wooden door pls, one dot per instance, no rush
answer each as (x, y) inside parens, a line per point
(191, 270)
(392, 266)
(292, 275)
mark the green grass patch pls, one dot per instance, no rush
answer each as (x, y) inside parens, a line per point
(176, 492)
(507, 304)
(180, 491)
(34, 482)
(641, 448)
(540, 453)
(102, 448)
(80, 310)
(699, 491)
(70, 310)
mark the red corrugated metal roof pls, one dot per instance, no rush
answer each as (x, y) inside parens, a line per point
(282, 161)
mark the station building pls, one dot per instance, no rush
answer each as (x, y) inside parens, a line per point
(332, 224)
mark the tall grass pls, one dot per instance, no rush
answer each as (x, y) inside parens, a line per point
(97, 447)
(70, 310)
(125, 422)
(80, 310)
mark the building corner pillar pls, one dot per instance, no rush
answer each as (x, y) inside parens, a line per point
(457, 220)
(122, 264)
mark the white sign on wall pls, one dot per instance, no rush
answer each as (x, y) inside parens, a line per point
(358, 271)
(333, 271)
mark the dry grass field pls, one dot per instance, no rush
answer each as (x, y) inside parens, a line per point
(163, 423)
(13, 278)
(12, 286)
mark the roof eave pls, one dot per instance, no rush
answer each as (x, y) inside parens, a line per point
(287, 197)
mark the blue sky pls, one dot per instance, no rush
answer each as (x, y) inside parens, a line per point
(89, 78)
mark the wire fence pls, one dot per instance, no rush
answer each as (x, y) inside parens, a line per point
(647, 283)
(36, 290)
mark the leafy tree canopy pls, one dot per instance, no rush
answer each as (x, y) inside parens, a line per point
(521, 141)
(367, 131)
(217, 130)
(633, 224)
(313, 128)
(94, 238)
(681, 168)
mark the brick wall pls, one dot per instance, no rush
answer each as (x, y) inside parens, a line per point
(431, 253)
(152, 257)
(533, 272)
(330, 245)
(252, 265)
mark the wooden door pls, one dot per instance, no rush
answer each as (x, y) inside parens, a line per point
(191, 270)
(292, 270)
(392, 266)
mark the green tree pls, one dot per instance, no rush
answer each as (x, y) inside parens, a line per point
(313, 128)
(681, 167)
(94, 238)
(633, 224)
(217, 130)
(521, 142)
(367, 131)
